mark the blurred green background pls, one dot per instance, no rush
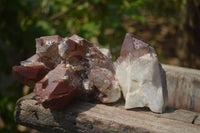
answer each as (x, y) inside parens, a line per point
(164, 24)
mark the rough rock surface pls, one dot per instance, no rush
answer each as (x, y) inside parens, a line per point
(141, 76)
(67, 68)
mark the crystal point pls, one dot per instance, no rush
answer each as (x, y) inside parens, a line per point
(141, 76)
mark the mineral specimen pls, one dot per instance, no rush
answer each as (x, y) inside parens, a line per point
(67, 68)
(141, 76)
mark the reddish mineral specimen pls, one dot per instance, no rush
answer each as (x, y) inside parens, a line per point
(67, 68)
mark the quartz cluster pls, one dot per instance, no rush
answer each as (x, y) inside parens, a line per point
(67, 68)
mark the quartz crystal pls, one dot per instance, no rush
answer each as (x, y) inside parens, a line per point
(30, 71)
(58, 87)
(141, 76)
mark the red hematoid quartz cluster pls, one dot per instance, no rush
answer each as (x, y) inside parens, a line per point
(67, 68)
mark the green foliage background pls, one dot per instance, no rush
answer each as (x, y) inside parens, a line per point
(103, 22)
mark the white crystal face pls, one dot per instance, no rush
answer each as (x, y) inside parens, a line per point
(106, 52)
(140, 80)
(62, 49)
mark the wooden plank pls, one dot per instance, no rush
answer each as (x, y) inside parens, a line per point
(183, 86)
(90, 117)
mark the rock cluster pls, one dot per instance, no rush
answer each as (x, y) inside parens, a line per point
(67, 68)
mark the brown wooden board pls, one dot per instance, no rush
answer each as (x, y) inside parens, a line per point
(94, 117)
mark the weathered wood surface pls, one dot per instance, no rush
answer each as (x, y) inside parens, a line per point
(91, 117)
(183, 86)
